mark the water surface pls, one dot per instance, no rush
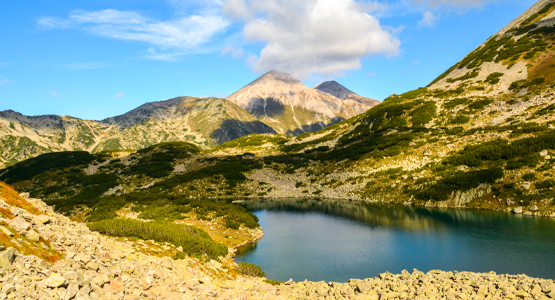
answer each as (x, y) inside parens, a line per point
(339, 240)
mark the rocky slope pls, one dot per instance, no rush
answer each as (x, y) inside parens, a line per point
(287, 105)
(206, 122)
(92, 266)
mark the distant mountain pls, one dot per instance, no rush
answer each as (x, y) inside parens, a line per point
(206, 122)
(283, 102)
(353, 103)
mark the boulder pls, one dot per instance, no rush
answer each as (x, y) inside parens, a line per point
(43, 219)
(526, 185)
(6, 258)
(54, 281)
(518, 210)
(32, 235)
(428, 152)
(19, 224)
(527, 213)
(534, 208)
(543, 153)
(72, 290)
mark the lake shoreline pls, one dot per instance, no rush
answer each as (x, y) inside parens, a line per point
(441, 204)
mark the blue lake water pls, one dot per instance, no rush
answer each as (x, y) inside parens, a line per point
(339, 240)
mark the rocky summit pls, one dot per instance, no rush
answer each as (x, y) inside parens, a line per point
(354, 104)
(284, 103)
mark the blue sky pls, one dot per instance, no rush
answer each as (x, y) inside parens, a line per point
(96, 59)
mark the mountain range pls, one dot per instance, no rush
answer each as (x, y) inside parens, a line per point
(205, 122)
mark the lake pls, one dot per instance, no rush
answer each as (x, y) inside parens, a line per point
(339, 240)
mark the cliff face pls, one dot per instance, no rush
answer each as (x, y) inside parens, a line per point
(284, 103)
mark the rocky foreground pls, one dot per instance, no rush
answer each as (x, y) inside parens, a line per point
(100, 267)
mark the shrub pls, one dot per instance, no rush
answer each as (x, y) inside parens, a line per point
(250, 269)
(546, 184)
(494, 78)
(460, 120)
(195, 241)
(460, 182)
(529, 176)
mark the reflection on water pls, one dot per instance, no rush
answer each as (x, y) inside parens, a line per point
(339, 240)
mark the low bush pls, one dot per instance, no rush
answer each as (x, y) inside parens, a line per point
(461, 181)
(250, 269)
(195, 242)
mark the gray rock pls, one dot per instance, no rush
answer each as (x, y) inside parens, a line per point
(19, 224)
(527, 213)
(543, 153)
(534, 208)
(43, 219)
(6, 258)
(518, 210)
(526, 185)
(32, 235)
(54, 281)
(428, 152)
(72, 290)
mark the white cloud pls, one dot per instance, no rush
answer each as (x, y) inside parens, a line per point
(119, 95)
(4, 82)
(428, 19)
(181, 33)
(233, 51)
(315, 36)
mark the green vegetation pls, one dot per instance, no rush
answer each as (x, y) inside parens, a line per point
(443, 188)
(455, 102)
(494, 78)
(250, 269)
(195, 242)
(523, 151)
(537, 15)
(27, 169)
(460, 120)
(469, 75)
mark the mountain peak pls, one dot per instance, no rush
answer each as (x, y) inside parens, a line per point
(278, 75)
(334, 88)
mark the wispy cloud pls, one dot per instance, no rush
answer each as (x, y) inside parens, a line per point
(428, 19)
(456, 3)
(178, 35)
(119, 95)
(5, 82)
(233, 51)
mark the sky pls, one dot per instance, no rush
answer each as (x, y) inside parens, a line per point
(97, 59)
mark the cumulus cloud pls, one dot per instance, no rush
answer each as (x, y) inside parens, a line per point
(181, 33)
(314, 36)
(428, 19)
(4, 82)
(233, 51)
(119, 95)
